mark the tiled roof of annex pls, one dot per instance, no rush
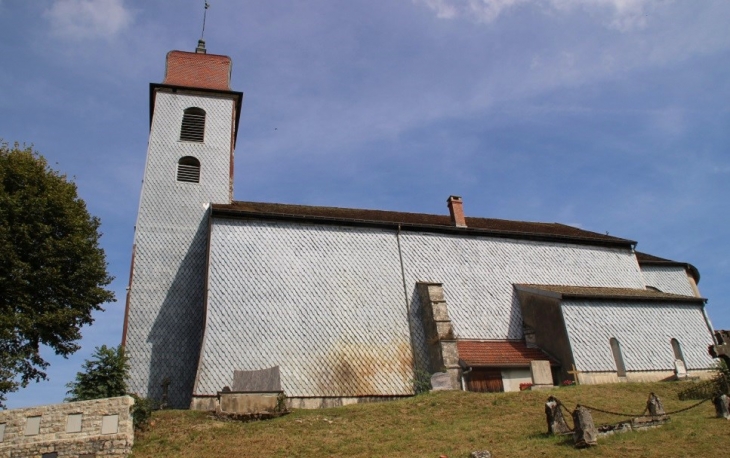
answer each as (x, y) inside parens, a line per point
(198, 70)
(419, 221)
(499, 353)
(592, 292)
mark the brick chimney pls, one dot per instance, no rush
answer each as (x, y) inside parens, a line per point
(456, 209)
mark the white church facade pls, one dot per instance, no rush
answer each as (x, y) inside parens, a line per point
(349, 305)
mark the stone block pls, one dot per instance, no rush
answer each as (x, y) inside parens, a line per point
(248, 402)
(436, 293)
(440, 311)
(449, 353)
(441, 381)
(541, 373)
(444, 330)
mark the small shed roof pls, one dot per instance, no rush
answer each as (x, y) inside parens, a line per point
(591, 292)
(500, 353)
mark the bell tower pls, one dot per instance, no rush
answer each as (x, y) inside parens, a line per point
(193, 125)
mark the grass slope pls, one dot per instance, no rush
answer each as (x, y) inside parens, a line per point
(444, 423)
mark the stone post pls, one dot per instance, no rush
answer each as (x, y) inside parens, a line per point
(722, 406)
(555, 419)
(654, 406)
(585, 433)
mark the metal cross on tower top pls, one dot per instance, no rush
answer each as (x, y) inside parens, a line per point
(205, 13)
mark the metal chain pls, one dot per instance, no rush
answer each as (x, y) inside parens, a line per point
(612, 413)
(642, 413)
(688, 408)
(560, 404)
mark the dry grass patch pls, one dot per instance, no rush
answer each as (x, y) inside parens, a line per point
(445, 423)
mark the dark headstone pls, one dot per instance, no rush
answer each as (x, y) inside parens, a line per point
(585, 433)
(264, 380)
(555, 419)
(722, 406)
(165, 391)
(654, 406)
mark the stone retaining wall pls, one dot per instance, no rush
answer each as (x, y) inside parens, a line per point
(98, 428)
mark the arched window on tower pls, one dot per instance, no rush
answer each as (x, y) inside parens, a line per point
(188, 169)
(193, 125)
(677, 350)
(618, 357)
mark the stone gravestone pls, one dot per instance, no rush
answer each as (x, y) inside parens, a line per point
(441, 381)
(264, 380)
(585, 433)
(542, 376)
(680, 370)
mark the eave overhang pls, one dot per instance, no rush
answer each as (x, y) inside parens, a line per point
(561, 292)
(221, 211)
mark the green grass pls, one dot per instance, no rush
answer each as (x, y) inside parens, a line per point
(445, 423)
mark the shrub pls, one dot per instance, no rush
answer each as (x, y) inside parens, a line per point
(421, 381)
(142, 412)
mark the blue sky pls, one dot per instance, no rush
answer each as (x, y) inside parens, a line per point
(611, 115)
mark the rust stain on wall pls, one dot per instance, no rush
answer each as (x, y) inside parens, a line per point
(357, 369)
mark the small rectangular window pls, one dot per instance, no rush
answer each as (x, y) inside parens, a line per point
(2, 432)
(32, 426)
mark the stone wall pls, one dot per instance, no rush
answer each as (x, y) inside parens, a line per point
(98, 428)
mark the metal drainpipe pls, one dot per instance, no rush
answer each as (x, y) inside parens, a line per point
(463, 373)
(405, 297)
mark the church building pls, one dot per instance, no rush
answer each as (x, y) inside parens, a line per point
(342, 305)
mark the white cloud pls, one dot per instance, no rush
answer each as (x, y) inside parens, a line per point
(620, 14)
(83, 19)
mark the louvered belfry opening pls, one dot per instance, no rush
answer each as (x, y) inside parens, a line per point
(188, 170)
(193, 125)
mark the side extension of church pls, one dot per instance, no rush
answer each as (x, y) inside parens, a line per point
(352, 305)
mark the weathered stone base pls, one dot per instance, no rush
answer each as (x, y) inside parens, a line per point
(211, 403)
(597, 378)
(323, 403)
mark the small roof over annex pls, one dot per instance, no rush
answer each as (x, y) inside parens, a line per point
(602, 293)
(649, 260)
(500, 353)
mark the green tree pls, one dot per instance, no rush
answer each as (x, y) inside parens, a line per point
(103, 375)
(52, 271)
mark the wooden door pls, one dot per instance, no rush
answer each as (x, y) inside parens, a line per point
(485, 381)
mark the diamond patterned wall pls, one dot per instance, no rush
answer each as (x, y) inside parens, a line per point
(644, 331)
(324, 303)
(166, 297)
(478, 274)
(668, 279)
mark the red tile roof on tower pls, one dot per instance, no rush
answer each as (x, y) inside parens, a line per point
(500, 353)
(198, 70)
